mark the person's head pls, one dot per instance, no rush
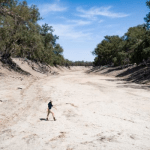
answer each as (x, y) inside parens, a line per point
(51, 101)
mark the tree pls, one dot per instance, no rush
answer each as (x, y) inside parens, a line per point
(147, 18)
(58, 58)
(132, 47)
(18, 33)
(107, 50)
(22, 36)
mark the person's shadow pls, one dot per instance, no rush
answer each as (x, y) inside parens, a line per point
(43, 119)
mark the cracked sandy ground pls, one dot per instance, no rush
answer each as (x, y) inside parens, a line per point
(93, 113)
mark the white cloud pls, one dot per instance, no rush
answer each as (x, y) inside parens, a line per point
(93, 12)
(69, 32)
(46, 8)
(100, 21)
(79, 22)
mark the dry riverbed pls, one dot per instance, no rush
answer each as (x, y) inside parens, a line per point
(93, 113)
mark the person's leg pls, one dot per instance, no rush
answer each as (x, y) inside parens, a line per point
(48, 111)
(53, 115)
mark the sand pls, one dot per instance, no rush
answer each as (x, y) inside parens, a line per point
(93, 112)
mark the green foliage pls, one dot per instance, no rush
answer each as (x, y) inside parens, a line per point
(147, 18)
(110, 51)
(22, 36)
(68, 63)
(133, 47)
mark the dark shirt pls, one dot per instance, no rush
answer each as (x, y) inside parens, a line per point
(50, 105)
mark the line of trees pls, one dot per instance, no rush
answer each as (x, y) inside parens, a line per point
(22, 36)
(77, 63)
(133, 47)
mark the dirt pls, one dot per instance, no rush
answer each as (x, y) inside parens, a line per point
(132, 73)
(92, 111)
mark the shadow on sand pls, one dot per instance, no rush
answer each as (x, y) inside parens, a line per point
(43, 119)
(136, 74)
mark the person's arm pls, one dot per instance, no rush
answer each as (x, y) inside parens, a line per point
(54, 107)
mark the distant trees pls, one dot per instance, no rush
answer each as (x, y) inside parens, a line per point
(77, 63)
(22, 36)
(133, 47)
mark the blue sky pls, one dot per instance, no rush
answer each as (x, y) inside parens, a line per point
(82, 24)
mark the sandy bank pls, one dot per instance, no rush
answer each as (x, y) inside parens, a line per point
(93, 112)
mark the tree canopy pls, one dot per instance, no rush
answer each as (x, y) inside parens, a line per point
(133, 47)
(22, 36)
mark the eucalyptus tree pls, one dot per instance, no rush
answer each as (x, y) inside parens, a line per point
(107, 50)
(22, 36)
(19, 32)
(58, 57)
(133, 39)
(147, 18)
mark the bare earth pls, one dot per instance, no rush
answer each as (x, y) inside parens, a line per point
(93, 113)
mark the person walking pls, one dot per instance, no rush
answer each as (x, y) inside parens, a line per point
(50, 105)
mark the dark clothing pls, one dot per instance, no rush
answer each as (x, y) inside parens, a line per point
(50, 105)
